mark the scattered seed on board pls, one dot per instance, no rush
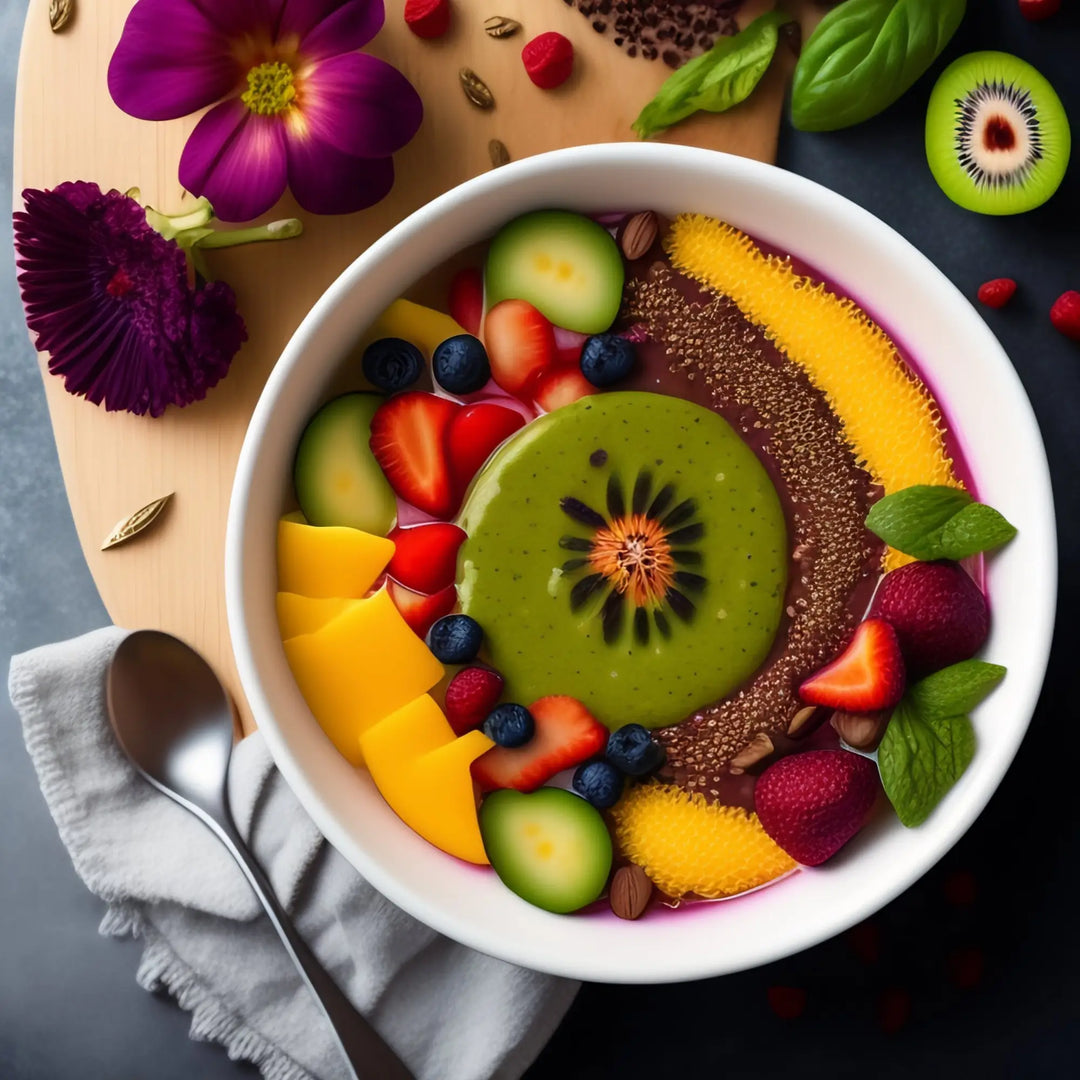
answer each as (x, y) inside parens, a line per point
(499, 154)
(499, 26)
(476, 90)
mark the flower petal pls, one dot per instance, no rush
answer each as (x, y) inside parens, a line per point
(357, 103)
(171, 60)
(326, 181)
(330, 27)
(237, 160)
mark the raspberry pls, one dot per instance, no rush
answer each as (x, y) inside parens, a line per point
(548, 60)
(1065, 314)
(473, 692)
(428, 18)
(997, 293)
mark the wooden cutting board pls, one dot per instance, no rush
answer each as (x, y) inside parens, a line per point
(67, 128)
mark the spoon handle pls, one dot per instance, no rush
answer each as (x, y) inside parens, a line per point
(363, 1046)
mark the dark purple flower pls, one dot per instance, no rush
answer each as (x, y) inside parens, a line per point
(110, 300)
(293, 102)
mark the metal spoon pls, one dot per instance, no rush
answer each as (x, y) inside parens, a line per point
(174, 720)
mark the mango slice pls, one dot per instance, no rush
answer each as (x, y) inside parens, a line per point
(422, 770)
(329, 562)
(359, 668)
(305, 614)
(423, 326)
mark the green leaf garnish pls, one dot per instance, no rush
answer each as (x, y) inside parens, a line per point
(864, 55)
(930, 740)
(931, 522)
(716, 80)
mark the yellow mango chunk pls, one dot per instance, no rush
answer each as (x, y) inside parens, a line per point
(359, 668)
(305, 614)
(423, 326)
(329, 562)
(421, 769)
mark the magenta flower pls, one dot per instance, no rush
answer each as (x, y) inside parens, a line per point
(296, 104)
(109, 299)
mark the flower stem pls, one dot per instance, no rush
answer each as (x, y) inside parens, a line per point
(171, 226)
(276, 230)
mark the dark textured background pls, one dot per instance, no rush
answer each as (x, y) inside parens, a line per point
(974, 969)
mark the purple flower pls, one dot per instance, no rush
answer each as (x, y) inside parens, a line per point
(294, 103)
(110, 300)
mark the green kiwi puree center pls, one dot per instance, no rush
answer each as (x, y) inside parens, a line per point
(628, 550)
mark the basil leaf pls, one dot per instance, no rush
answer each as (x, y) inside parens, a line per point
(955, 690)
(912, 520)
(975, 528)
(864, 55)
(716, 80)
(920, 759)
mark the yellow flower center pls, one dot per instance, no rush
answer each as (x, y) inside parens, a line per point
(271, 88)
(633, 553)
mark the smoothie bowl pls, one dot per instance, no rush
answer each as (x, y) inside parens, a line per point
(641, 563)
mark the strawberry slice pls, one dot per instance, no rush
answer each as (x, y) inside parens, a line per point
(425, 556)
(520, 344)
(474, 434)
(467, 299)
(868, 675)
(566, 735)
(409, 441)
(561, 387)
(418, 610)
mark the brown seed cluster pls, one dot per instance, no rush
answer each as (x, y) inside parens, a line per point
(786, 418)
(668, 29)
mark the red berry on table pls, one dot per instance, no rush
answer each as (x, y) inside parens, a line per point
(419, 610)
(425, 556)
(1037, 10)
(520, 344)
(474, 433)
(472, 693)
(868, 675)
(1065, 314)
(812, 804)
(939, 614)
(997, 293)
(466, 301)
(428, 18)
(548, 59)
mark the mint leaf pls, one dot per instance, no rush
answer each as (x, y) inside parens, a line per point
(912, 520)
(955, 690)
(716, 80)
(920, 759)
(975, 528)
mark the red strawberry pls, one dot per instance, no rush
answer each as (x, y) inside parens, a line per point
(473, 692)
(561, 387)
(428, 18)
(939, 614)
(520, 344)
(425, 556)
(1037, 10)
(812, 804)
(1065, 314)
(418, 610)
(467, 299)
(868, 675)
(474, 434)
(997, 293)
(409, 441)
(548, 59)
(566, 735)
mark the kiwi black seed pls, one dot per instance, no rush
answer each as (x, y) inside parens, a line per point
(997, 137)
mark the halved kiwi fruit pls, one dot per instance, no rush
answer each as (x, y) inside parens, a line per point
(997, 138)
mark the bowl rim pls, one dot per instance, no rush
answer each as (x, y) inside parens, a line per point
(1042, 585)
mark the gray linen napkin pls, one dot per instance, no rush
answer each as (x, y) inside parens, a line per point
(451, 1013)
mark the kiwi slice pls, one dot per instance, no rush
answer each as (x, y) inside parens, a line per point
(997, 138)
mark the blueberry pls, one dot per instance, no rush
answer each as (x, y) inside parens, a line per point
(634, 751)
(392, 364)
(509, 725)
(599, 783)
(455, 639)
(460, 364)
(607, 358)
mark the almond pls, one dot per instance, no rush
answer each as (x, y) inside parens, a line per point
(757, 749)
(861, 731)
(638, 234)
(801, 719)
(630, 893)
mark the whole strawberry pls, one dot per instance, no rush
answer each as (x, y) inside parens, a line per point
(1065, 314)
(939, 614)
(471, 694)
(812, 804)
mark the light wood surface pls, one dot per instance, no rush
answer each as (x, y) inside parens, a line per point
(67, 128)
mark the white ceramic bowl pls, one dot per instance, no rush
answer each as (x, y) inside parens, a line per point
(969, 372)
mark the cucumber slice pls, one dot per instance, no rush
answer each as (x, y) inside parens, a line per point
(565, 265)
(550, 847)
(337, 479)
